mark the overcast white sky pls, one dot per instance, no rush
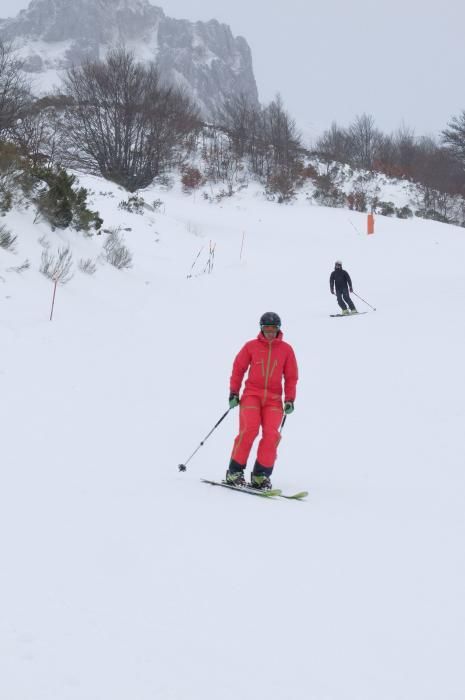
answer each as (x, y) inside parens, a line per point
(399, 60)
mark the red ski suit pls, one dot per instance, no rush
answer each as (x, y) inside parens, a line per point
(268, 361)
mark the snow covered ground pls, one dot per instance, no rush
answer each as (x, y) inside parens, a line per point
(122, 578)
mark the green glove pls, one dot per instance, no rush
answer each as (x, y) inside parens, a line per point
(288, 407)
(233, 400)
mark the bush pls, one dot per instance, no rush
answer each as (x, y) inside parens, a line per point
(157, 204)
(223, 194)
(10, 169)
(54, 201)
(357, 201)
(433, 215)
(385, 208)
(57, 268)
(62, 204)
(404, 213)
(116, 253)
(83, 218)
(327, 193)
(133, 204)
(20, 268)
(7, 240)
(192, 179)
(87, 265)
(309, 173)
(281, 183)
(6, 200)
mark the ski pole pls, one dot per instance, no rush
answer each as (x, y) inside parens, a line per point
(282, 424)
(365, 302)
(183, 467)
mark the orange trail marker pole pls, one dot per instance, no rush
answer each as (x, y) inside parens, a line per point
(370, 224)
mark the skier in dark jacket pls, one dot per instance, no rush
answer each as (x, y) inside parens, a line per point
(340, 279)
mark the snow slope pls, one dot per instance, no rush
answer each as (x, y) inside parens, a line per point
(122, 578)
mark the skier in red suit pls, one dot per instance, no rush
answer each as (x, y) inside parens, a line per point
(268, 360)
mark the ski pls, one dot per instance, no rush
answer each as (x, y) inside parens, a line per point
(359, 313)
(270, 493)
(295, 496)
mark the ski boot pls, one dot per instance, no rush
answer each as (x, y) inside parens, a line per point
(260, 477)
(235, 474)
(345, 312)
(260, 482)
(354, 311)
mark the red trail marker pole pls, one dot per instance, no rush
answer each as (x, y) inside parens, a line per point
(53, 299)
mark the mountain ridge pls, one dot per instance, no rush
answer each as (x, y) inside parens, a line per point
(203, 57)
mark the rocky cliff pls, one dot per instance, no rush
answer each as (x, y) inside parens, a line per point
(204, 57)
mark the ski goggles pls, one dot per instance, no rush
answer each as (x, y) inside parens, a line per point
(270, 329)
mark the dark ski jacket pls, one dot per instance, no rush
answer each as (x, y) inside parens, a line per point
(341, 279)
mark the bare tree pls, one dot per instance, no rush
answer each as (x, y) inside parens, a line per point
(267, 136)
(396, 153)
(237, 116)
(365, 141)
(438, 171)
(436, 168)
(386, 156)
(335, 145)
(282, 135)
(454, 137)
(14, 89)
(405, 144)
(37, 136)
(124, 123)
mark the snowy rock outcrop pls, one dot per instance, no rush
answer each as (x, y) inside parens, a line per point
(204, 57)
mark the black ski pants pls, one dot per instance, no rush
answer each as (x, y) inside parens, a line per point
(343, 298)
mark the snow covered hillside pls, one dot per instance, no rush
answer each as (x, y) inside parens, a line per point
(125, 579)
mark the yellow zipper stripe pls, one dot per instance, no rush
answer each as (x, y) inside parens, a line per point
(267, 371)
(275, 364)
(237, 443)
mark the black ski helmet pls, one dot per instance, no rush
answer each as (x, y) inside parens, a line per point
(270, 319)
